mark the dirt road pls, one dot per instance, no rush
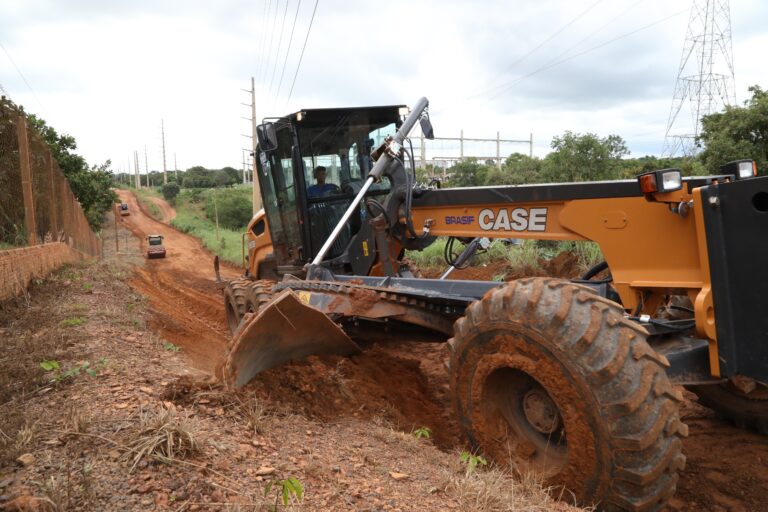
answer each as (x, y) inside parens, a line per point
(404, 382)
(181, 288)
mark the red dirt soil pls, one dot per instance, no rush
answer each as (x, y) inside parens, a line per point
(404, 381)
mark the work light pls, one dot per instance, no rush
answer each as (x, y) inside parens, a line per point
(665, 180)
(740, 169)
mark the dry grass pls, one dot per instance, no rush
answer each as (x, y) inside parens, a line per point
(497, 489)
(254, 412)
(17, 441)
(163, 434)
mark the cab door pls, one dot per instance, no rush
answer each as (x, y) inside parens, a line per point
(281, 201)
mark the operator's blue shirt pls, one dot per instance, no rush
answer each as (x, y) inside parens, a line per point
(321, 190)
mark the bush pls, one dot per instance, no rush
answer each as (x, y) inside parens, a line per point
(234, 209)
(170, 191)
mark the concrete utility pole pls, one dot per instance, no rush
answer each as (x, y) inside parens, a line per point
(176, 168)
(136, 168)
(254, 142)
(162, 132)
(146, 164)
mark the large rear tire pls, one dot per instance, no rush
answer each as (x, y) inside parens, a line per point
(550, 377)
(745, 410)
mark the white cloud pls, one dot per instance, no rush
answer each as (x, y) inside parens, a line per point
(107, 73)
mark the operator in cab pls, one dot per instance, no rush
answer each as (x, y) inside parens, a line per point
(321, 188)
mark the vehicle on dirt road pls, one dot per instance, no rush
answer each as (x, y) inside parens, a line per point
(575, 380)
(124, 209)
(155, 247)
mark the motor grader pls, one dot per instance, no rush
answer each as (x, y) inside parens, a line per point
(578, 381)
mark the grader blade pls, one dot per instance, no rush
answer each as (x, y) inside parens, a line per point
(283, 330)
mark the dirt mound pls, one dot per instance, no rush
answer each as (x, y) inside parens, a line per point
(376, 384)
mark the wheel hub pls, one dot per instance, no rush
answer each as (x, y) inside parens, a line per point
(541, 412)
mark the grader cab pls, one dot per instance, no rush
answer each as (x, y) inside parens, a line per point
(576, 380)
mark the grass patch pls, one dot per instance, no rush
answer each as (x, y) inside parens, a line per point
(151, 208)
(191, 219)
(72, 321)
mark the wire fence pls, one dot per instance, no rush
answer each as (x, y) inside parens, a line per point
(36, 203)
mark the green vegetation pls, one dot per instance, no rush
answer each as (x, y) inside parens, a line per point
(73, 321)
(289, 489)
(191, 217)
(233, 207)
(472, 461)
(424, 432)
(737, 133)
(51, 365)
(91, 185)
(526, 255)
(170, 191)
(170, 347)
(143, 195)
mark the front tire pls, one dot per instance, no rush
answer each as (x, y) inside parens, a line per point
(235, 302)
(745, 410)
(552, 378)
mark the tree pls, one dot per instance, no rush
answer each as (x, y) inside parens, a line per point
(90, 185)
(736, 133)
(468, 173)
(585, 157)
(517, 169)
(170, 191)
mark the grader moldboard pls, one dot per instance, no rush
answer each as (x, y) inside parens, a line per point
(575, 380)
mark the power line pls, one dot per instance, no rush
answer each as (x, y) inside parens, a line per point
(21, 75)
(549, 66)
(271, 39)
(279, 45)
(302, 51)
(572, 47)
(551, 37)
(288, 51)
(263, 39)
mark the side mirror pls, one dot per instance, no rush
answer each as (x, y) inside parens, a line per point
(426, 127)
(267, 137)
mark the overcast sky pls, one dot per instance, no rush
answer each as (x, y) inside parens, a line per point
(108, 72)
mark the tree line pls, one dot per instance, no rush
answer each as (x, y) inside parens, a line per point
(738, 132)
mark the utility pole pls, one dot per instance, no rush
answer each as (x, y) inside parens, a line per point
(162, 133)
(254, 142)
(146, 164)
(176, 169)
(136, 168)
(245, 170)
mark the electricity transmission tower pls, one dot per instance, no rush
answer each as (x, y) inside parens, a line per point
(705, 78)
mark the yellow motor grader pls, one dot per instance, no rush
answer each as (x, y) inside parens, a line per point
(577, 380)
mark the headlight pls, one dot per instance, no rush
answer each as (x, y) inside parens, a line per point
(665, 180)
(671, 180)
(740, 169)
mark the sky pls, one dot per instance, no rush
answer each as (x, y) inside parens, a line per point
(108, 73)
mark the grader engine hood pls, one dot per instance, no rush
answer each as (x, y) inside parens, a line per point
(287, 329)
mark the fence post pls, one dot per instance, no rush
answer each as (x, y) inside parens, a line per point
(52, 184)
(26, 182)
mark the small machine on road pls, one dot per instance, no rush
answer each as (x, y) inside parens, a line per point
(155, 248)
